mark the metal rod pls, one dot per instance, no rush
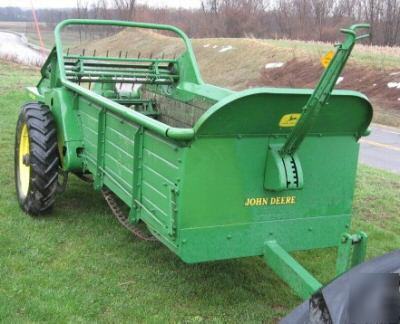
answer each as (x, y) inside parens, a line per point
(119, 59)
(151, 124)
(122, 75)
(131, 115)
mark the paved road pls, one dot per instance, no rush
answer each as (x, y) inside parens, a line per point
(381, 149)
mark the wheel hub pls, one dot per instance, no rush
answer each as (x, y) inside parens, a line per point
(24, 166)
(25, 160)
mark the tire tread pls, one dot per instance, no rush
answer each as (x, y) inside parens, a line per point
(44, 160)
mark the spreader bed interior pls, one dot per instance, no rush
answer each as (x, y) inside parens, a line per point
(139, 84)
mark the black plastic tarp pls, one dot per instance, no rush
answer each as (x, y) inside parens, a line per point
(335, 303)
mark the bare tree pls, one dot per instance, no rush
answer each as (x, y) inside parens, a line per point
(295, 19)
(372, 11)
(391, 21)
(126, 8)
(212, 23)
(321, 10)
(211, 6)
(100, 10)
(283, 13)
(82, 11)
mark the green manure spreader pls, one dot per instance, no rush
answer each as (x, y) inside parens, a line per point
(212, 173)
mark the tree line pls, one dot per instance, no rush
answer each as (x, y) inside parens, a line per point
(317, 20)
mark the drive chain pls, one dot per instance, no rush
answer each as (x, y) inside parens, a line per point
(123, 218)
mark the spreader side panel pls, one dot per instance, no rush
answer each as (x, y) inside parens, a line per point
(161, 176)
(141, 168)
(225, 212)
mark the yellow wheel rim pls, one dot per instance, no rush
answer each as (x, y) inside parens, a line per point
(24, 170)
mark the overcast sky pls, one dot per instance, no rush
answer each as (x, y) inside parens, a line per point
(72, 3)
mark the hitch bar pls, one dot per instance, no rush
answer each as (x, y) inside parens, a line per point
(351, 252)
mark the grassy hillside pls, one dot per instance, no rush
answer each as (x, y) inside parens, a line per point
(79, 265)
(240, 63)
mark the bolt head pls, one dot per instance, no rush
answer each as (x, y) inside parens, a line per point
(25, 160)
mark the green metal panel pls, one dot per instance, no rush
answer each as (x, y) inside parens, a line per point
(63, 103)
(231, 197)
(162, 162)
(259, 111)
(244, 240)
(158, 164)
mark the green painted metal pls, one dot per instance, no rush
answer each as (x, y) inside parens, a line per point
(191, 159)
(283, 160)
(351, 252)
(322, 92)
(299, 279)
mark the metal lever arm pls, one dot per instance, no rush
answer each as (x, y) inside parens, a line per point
(323, 90)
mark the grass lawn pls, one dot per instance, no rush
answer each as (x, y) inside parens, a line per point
(80, 265)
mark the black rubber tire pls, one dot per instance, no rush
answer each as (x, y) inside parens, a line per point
(43, 159)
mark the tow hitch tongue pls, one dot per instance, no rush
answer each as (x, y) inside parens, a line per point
(283, 167)
(283, 171)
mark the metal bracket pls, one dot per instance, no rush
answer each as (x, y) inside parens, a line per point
(351, 251)
(137, 175)
(171, 224)
(101, 142)
(282, 172)
(289, 270)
